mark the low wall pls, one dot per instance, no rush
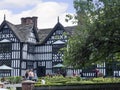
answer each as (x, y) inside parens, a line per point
(108, 86)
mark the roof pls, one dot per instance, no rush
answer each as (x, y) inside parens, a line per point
(43, 33)
(23, 31)
(70, 29)
(5, 67)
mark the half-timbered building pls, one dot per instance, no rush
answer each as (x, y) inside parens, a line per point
(24, 46)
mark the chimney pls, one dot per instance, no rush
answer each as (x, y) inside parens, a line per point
(29, 20)
(34, 19)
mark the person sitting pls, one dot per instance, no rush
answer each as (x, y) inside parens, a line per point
(31, 75)
(35, 77)
(26, 74)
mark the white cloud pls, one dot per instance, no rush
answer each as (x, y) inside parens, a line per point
(18, 3)
(47, 13)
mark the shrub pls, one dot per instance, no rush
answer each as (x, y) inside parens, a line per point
(3, 79)
(18, 79)
(14, 79)
(78, 78)
(100, 79)
(59, 80)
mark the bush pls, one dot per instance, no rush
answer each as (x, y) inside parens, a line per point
(59, 80)
(14, 79)
(3, 79)
(100, 79)
(18, 79)
(78, 78)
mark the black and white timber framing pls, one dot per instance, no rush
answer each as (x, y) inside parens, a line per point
(24, 46)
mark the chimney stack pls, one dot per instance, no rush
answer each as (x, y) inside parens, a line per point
(29, 20)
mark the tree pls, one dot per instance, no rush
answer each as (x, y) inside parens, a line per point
(97, 36)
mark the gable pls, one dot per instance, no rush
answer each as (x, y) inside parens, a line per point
(43, 33)
(57, 33)
(21, 32)
(6, 33)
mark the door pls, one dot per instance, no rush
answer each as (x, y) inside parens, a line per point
(41, 71)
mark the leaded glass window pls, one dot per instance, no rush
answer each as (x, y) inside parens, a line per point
(5, 47)
(31, 48)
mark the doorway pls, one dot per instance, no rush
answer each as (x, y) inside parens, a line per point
(41, 71)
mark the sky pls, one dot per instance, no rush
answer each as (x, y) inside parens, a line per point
(47, 11)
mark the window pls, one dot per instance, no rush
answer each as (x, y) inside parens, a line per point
(5, 47)
(59, 32)
(5, 31)
(30, 65)
(31, 48)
